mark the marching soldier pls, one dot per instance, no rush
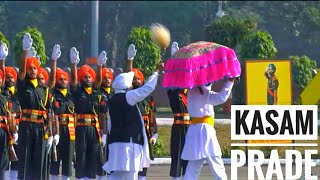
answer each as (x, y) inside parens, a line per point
(10, 92)
(52, 126)
(106, 92)
(8, 132)
(33, 97)
(89, 137)
(64, 113)
(178, 103)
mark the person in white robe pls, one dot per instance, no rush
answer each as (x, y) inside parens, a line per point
(201, 140)
(128, 144)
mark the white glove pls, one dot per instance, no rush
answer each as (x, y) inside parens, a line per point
(131, 52)
(74, 55)
(49, 142)
(102, 59)
(3, 51)
(31, 52)
(15, 137)
(174, 48)
(56, 139)
(104, 140)
(56, 53)
(153, 139)
(27, 41)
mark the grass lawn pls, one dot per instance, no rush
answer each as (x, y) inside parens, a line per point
(224, 138)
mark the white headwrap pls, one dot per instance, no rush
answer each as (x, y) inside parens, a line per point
(123, 81)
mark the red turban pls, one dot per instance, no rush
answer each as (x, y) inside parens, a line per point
(61, 73)
(12, 71)
(138, 73)
(107, 72)
(44, 73)
(84, 70)
(34, 61)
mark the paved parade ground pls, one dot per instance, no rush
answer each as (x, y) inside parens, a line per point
(160, 172)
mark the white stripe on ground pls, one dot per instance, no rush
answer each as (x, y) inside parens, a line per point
(163, 161)
(169, 121)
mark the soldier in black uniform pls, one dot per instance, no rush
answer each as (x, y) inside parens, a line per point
(64, 114)
(178, 103)
(90, 138)
(106, 92)
(33, 98)
(7, 124)
(10, 91)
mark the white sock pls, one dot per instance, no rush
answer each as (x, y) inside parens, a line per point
(7, 175)
(13, 174)
(53, 177)
(65, 178)
(142, 178)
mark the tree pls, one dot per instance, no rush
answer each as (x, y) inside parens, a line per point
(258, 44)
(148, 53)
(302, 73)
(38, 44)
(229, 31)
(3, 39)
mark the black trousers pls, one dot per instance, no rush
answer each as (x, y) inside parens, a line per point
(14, 165)
(178, 135)
(31, 151)
(46, 162)
(87, 152)
(100, 171)
(65, 150)
(4, 152)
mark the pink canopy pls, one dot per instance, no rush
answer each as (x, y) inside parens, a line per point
(200, 63)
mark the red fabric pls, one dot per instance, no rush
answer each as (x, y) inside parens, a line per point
(11, 70)
(107, 72)
(138, 73)
(56, 104)
(1, 74)
(60, 73)
(84, 70)
(34, 61)
(44, 73)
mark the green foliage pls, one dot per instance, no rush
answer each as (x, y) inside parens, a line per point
(302, 73)
(229, 31)
(148, 53)
(158, 148)
(38, 44)
(258, 44)
(3, 39)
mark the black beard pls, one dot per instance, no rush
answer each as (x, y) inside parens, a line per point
(62, 87)
(87, 84)
(9, 84)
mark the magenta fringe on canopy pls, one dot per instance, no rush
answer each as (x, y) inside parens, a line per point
(202, 69)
